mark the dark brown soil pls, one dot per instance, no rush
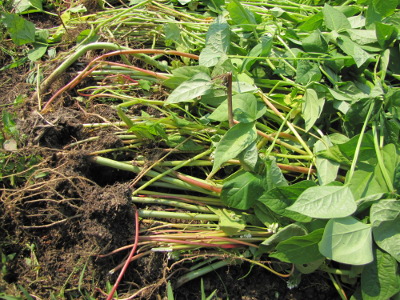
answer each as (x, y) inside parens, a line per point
(59, 217)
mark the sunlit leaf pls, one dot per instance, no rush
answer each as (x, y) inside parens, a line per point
(325, 202)
(385, 220)
(347, 241)
(190, 89)
(238, 138)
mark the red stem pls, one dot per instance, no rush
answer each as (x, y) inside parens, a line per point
(121, 274)
(200, 184)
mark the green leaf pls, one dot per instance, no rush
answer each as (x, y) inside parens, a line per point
(9, 124)
(282, 235)
(245, 107)
(197, 86)
(25, 6)
(347, 241)
(37, 52)
(334, 19)
(21, 30)
(300, 249)
(391, 162)
(385, 34)
(363, 184)
(273, 174)
(313, 22)
(241, 16)
(315, 42)
(237, 138)
(307, 72)
(249, 157)
(261, 49)
(182, 74)
(170, 291)
(181, 142)
(312, 108)
(229, 221)
(172, 34)
(242, 191)
(124, 117)
(380, 279)
(325, 202)
(352, 49)
(362, 36)
(264, 215)
(385, 7)
(310, 267)
(385, 220)
(217, 43)
(279, 198)
(326, 169)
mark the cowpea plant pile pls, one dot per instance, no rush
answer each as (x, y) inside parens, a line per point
(276, 131)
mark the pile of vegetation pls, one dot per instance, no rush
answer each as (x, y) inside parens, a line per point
(184, 137)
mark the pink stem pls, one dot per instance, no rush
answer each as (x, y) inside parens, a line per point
(121, 274)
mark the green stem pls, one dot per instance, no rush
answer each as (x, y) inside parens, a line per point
(202, 271)
(337, 287)
(131, 168)
(290, 125)
(158, 177)
(205, 200)
(360, 139)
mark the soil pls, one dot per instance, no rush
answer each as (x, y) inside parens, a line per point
(57, 218)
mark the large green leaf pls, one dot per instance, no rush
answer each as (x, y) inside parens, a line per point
(315, 42)
(313, 22)
(300, 249)
(279, 198)
(217, 43)
(182, 74)
(195, 87)
(364, 183)
(242, 191)
(380, 279)
(261, 49)
(385, 7)
(386, 34)
(245, 108)
(347, 241)
(335, 19)
(312, 108)
(237, 138)
(21, 30)
(307, 72)
(385, 220)
(241, 16)
(354, 50)
(362, 36)
(325, 202)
